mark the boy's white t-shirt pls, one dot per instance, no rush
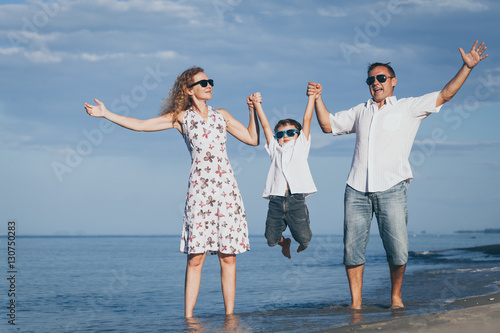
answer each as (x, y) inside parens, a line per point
(289, 164)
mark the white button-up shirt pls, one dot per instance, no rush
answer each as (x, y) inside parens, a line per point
(289, 165)
(384, 138)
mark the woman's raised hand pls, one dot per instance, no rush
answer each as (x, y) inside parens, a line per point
(96, 110)
(250, 102)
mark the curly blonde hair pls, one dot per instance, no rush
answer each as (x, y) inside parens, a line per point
(178, 99)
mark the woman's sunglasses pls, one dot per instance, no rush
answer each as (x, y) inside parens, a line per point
(203, 83)
(290, 133)
(380, 78)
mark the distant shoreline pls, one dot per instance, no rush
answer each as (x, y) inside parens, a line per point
(485, 231)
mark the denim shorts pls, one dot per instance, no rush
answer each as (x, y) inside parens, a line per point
(289, 210)
(392, 217)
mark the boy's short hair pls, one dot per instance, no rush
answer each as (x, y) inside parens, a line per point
(284, 122)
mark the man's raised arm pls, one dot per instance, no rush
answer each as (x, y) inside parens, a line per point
(321, 112)
(470, 59)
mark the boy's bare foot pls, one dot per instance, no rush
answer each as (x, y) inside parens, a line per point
(301, 248)
(285, 247)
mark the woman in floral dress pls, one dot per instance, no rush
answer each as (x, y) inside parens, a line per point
(214, 215)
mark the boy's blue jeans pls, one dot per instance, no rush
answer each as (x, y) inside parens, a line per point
(392, 217)
(289, 210)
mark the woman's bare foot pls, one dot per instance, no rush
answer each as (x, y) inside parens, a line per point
(301, 248)
(285, 246)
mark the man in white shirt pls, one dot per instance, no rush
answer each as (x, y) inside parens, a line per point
(385, 128)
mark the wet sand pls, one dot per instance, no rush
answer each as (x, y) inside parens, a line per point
(479, 314)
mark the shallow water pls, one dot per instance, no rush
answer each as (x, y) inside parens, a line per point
(135, 284)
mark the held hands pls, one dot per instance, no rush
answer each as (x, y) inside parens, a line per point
(253, 99)
(257, 98)
(250, 102)
(314, 89)
(475, 55)
(96, 110)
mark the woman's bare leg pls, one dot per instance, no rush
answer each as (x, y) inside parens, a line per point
(192, 282)
(228, 280)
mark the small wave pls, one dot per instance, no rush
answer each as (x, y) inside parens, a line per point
(479, 270)
(493, 249)
(426, 254)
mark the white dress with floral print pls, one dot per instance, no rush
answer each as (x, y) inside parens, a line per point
(214, 216)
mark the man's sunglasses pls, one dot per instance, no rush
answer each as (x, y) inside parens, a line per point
(380, 78)
(203, 83)
(290, 133)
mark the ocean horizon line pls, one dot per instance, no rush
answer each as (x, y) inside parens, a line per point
(120, 236)
(410, 233)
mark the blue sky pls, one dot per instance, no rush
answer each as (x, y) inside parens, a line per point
(66, 173)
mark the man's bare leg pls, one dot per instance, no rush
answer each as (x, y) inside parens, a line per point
(355, 277)
(397, 274)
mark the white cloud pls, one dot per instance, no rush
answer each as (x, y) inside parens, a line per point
(169, 7)
(291, 12)
(332, 11)
(25, 135)
(165, 55)
(26, 38)
(493, 77)
(43, 57)
(96, 57)
(443, 5)
(10, 50)
(37, 16)
(457, 146)
(321, 140)
(238, 19)
(493, 165)
(46, 56)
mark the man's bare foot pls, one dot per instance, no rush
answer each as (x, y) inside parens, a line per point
(356, 316)
(397, 303)
(285, 247)
(301, 248)
(355, 306)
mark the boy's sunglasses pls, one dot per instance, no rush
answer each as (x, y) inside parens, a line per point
(380, 78)
(203, 83)
(290, 133)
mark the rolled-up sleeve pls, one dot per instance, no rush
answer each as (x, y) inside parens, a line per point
(343, 122)
(423, 106)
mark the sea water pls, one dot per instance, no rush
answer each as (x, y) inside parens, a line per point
(136, 284)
